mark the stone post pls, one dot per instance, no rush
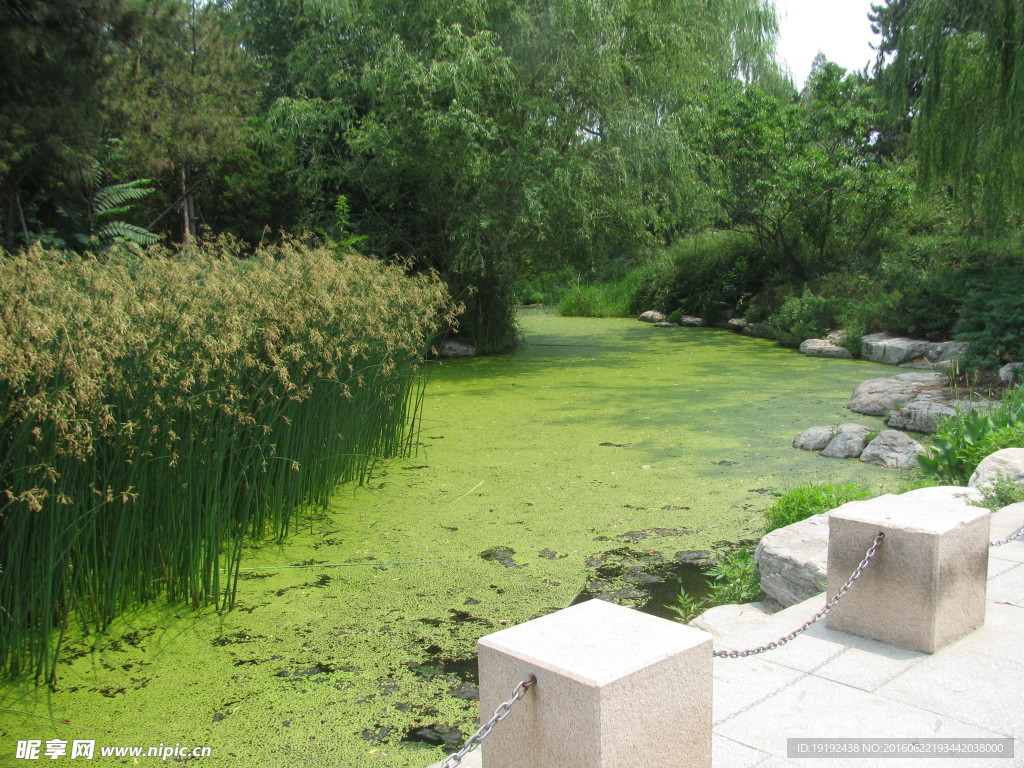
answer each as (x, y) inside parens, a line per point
(925, 587)
(614, 687)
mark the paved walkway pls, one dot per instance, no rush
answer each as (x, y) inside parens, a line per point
(829, 684)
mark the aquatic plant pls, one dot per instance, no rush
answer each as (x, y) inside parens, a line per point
(803, 502)
(964, 439)
(156, 410)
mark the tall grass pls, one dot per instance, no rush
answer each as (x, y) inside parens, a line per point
(612, 298)
(156, 410)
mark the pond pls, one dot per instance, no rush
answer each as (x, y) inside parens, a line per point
(598, 458)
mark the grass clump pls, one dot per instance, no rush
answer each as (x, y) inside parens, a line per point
(159, 408)
(807, 501)
(613, 298)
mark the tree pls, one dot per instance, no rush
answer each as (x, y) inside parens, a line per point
(960, 71)
(184, 92)
(802, 176)
(55, 57)
(477, 137)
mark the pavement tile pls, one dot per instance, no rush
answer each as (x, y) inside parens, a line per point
(726, 752)
(1012, 551)
(971, 686)
(844, 658)
(1000, 636)
(740, 684)
(815, 708)
(1007, 586)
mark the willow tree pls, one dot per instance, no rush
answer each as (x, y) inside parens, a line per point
(480, 136)
(959, 68)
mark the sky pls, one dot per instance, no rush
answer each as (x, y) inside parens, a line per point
(838, 28)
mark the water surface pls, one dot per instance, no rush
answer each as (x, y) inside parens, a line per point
(599, 447)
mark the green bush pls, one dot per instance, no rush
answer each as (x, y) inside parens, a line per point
(706, 274)
(963, 440)
(806, 317)
(606, 299)
(807, 501)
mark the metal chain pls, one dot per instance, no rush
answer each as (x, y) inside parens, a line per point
(819, 615)
(1015, 535)
(500, 713)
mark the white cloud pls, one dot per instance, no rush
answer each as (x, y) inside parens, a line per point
(838, 28)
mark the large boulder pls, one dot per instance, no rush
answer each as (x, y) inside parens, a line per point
(793, 560)
(824, 348)
(924, 412)
(1011, 372)
(651, 316)
(691, 322)
(1004, 465)
(455, 348)
(893, 449)
(759, 330)
(876, 397)
(849, 443)
(814, 439)
(883, 348)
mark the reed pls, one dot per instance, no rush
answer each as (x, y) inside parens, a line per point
(157, 410)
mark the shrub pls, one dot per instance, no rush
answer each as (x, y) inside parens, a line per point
(707, 274)
(155, 410)
(806, 317)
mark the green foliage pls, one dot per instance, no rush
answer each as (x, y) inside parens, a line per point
(706, 274)
(959, 68)
(806, 317)
(607, 299)
(156, 410)
(804, 176)
(734, 580)
(801, 503)
(1002, 493)
(963, 440)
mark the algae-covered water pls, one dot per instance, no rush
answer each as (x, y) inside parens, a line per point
(595, 459)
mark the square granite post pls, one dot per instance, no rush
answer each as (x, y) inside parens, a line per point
(614, 687)
(925, 587)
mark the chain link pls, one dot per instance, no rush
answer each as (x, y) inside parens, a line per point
(1015, 535)
(818, 616)
(502, 711)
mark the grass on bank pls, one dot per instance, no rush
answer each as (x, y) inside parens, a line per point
(158, 409)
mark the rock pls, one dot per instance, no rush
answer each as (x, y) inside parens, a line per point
(691, 321)
(883, 348)
(737, 324)
(759, 330)
(1004, 465)
(876, 397)
(792, 560)
(824, 348)
(893, 449)
(849, 443)
(651, 316)
(666, 324)
(837, 337)
(924, 412)
(453, 348)
(726, 619)
(814, 439)
(1011, 372)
